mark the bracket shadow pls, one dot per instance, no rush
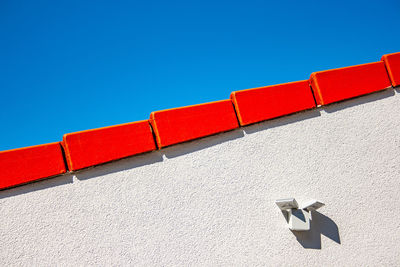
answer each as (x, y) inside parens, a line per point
(320, 225)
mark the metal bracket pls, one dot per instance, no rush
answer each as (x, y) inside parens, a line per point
(298, 219)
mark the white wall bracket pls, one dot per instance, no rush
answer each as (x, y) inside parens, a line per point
(298, 218)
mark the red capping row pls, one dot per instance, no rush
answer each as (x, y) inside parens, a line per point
(392, 62)
(178, 125)
(338, 84)
(263, 103)
(93, 147)
(23, 165)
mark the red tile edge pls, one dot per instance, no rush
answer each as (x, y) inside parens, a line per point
(67, 156)
(183, 124)
(392, 64)
(313, 82)
(334, 85)
(23, 165)
(264, 103)
(236, 108)
(96, 146)
(153, 124)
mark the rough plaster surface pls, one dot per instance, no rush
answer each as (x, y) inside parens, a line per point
(211, 201)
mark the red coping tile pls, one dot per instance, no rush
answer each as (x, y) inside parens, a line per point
(92, 147)
(22, 165)
(178, 125)
(263, 103)
(338, 84)
(392, 62)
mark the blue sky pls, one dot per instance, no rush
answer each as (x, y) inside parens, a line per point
(74, 65)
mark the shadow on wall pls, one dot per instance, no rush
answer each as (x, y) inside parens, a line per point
(119, 165)
(202, 143)
(37, 185)
(359, 100)
(281, 121)
(320, 224)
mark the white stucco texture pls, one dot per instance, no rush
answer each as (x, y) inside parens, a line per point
(212, 201)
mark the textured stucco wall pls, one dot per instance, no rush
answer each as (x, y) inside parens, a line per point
(211, 201)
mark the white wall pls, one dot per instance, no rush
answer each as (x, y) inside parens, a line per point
(211, 201)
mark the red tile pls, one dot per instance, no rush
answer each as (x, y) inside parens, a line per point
(392, 62)
(22, 165)
(178, 125)
(92, 147)
(263, 103)
(338, 84)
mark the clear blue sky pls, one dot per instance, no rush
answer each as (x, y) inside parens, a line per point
(74, 65)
